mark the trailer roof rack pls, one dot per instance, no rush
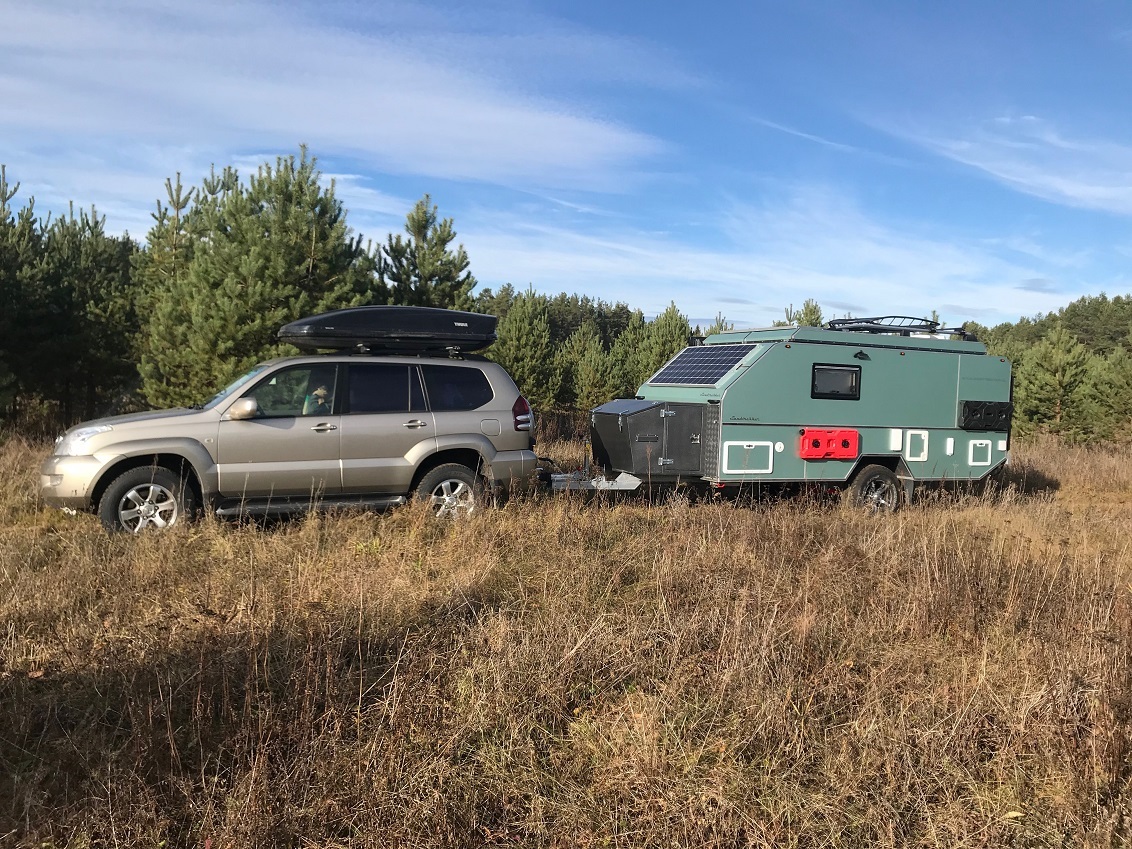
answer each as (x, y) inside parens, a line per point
(902, 325)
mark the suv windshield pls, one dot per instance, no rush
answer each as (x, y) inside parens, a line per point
(233, 386)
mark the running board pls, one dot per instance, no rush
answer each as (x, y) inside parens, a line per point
(282, 507)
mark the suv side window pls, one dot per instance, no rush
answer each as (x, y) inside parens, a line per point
(384, 388)
(306, 390)
(453, 388)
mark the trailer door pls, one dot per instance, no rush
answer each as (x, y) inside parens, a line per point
(683, 437)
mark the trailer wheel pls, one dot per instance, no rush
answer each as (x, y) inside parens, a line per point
(451, 491)
(874, 488)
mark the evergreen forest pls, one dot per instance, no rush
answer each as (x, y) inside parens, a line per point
(94, 323)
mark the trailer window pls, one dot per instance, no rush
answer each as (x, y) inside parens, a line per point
(838, 382)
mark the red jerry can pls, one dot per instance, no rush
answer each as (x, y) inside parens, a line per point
(828, 444)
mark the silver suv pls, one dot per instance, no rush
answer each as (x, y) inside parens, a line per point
(321, 431)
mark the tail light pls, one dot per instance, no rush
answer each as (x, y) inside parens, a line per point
(524, 417)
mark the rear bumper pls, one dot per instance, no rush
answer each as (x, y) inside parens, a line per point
(514, 470)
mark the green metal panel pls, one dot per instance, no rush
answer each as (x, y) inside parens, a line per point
(984, 379)
(897, 388)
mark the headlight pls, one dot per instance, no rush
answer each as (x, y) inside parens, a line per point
(74, 443)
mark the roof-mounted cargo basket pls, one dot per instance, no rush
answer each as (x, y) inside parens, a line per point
(901, 325)
(392, 329)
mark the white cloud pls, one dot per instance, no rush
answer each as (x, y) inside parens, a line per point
(1032, 156)
(812, 243)
(248, 76)
(790, 131)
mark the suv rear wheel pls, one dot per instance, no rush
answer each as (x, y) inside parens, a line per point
(451, 490)
(147, 497)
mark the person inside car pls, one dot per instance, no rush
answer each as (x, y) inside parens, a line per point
(318, 402)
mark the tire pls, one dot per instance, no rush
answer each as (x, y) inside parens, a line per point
(451, 491)
(875, 489)
(150, 497)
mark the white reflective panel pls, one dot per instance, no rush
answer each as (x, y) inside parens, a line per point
(949, 446)
(979, 452)
(748, 457)
(895, 439)
(916, 449)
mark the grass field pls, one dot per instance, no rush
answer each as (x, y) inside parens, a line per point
(565, 673)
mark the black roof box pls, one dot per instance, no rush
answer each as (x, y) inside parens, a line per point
(392, 328)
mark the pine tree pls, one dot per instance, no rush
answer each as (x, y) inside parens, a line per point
(164, 259)
(90, 364)
(1109, 391)
(1050, 389)
(261, 255)
(720, 325)
(586, 374)
(665, 335)
(525, 350)
(628, 365)
(19, 246)
(810, 315)
(67, 316)
(421, 270)
(495, 303)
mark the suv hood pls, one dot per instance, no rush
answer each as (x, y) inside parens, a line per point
(131, 418)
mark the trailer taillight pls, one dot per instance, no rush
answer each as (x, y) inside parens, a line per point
(522, 413)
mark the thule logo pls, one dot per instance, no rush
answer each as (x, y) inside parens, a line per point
(460, 323)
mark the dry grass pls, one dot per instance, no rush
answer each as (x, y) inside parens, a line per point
(572, 673)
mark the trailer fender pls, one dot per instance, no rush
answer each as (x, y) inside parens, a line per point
(894, 463)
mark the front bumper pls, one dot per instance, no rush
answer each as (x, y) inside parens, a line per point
(68, 482)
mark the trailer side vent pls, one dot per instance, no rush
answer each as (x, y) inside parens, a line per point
(985, 415)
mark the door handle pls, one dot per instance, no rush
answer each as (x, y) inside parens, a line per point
(415, 423)
(324, 428)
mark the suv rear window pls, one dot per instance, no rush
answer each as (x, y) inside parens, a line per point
(384, 388)
(452, 388)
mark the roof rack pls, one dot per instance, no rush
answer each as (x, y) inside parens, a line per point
(400, 348)
(902, 325)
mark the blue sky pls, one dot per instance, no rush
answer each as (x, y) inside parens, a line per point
(881, 157)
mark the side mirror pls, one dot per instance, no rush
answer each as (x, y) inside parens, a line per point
(245, 408)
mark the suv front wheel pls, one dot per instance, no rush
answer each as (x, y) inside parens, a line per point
(451, 490)
(147, 497)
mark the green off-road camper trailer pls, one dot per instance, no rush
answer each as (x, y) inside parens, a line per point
(872, 406)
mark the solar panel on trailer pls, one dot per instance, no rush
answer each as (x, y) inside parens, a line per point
(703, 365)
